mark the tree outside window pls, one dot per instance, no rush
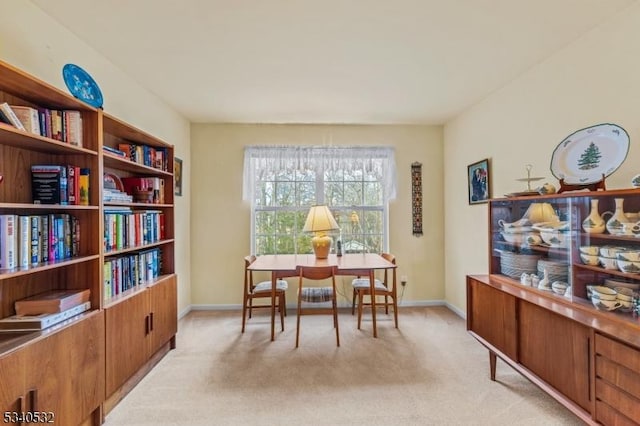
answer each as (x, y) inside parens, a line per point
(284, 182)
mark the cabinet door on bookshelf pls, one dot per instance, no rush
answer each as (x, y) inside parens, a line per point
(12, 391)
(126, 331)
(75, 352)
(164, 311)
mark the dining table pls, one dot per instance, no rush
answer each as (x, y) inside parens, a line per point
(353, 264)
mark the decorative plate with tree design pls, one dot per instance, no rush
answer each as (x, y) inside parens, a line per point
(586, 155)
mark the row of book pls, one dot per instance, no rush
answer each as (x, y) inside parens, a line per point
(150, 156)
(34, 239)
(126, 272)
(60, 184)
(46, 309)
(61, 125)
(127, 228)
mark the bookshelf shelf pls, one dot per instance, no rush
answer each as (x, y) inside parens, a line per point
(93, 337)
(20, 139)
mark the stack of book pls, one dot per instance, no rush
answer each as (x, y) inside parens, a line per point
(46, 309)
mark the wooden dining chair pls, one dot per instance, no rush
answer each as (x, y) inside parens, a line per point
(262, 290)
(313, 295)
(385, 287)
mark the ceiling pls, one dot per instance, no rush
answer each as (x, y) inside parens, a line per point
(327, 61)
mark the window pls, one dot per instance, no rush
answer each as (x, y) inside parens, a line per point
(282, 182)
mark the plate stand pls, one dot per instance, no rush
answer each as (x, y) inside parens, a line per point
(590, 186)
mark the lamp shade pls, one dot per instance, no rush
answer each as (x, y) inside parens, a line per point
(320, 219)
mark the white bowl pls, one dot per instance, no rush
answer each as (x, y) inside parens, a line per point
(610, 251)
(603, 293)
(590, 250)
(555, 238)
(588, 259)
(608, 262)
(629, 267)
(629, 255)
(559, 287)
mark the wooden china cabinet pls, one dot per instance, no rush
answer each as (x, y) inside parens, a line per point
(586, 357)
(65, 373)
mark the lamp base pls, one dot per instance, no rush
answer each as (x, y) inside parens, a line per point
(321, 246)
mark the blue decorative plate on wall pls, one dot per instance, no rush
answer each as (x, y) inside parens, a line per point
(81, 85)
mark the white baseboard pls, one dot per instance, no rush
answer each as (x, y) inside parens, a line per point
(217, 307)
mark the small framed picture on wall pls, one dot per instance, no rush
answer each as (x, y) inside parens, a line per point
(177, 176)
(479, 182)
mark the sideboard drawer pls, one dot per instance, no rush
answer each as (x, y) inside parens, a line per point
(617, 368)
(608, 416)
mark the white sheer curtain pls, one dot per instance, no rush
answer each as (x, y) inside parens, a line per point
(265, 160)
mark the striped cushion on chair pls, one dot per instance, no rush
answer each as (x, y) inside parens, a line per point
(364, 283)
(317, 294)
(266, 286)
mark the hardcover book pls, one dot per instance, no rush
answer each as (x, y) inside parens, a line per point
(8, 241)
(42, 321)
(11, 116)
(49, 184)
(52, 301)
(28, 117)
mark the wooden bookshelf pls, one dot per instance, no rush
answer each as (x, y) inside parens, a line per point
(103, 373)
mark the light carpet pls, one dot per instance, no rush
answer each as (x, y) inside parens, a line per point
(430, 371)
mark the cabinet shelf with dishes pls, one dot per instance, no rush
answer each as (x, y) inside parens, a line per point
(561, 336)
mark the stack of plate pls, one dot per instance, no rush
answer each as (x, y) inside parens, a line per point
(557, 271)
(514, 265)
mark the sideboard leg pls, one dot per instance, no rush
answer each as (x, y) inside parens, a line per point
(492, 365)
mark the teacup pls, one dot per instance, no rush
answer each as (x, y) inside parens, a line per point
(608, 305)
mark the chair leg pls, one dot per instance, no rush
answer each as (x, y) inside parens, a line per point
(282, 310)
(298, 319)
(244, 312)
(395, 311)
(335, 319)
(360, 301)
(284, 302)
(353, 302)
(386, 304)
(250, 306)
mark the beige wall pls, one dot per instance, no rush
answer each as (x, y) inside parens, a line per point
(593, 80)
(35, 43)
(220, 219)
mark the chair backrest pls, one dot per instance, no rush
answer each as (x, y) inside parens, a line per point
(316, 272)
(390, 258)
(248, 276)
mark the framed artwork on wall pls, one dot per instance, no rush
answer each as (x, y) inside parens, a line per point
(177, 176)
(479, 182)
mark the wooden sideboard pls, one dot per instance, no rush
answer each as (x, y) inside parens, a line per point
(587, 360)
